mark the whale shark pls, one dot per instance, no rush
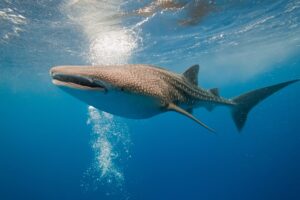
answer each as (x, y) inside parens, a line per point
(140, 91)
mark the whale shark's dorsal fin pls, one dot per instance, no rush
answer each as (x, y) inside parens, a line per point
(215, 91)
(172, 106)
(191, 74)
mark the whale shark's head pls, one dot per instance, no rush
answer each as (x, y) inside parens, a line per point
(109, 88)
(84, 78)
(93, 85)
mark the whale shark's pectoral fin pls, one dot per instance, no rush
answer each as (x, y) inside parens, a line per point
(172, 106)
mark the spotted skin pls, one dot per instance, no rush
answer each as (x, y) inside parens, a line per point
(142, 91)
(147, 80)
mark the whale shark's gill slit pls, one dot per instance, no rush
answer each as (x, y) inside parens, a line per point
(111, 147)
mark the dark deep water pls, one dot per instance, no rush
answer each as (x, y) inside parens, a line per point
(52, 146)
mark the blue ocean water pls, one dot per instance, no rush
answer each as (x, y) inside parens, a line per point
(52, 146)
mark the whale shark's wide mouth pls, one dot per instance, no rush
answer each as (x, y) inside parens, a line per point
(77, 82)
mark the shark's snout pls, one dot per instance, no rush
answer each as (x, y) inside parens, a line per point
(64, 70)
(54, 70)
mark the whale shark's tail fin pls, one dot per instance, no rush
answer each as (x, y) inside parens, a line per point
(245, 102)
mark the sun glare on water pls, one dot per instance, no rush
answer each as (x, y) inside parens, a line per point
(109, 43)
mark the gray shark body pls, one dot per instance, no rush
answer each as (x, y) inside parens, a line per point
(142, 91)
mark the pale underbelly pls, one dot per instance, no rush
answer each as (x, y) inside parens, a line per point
(123, 104)
(134, 108)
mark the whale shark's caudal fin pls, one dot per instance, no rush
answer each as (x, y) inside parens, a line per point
(245, 102)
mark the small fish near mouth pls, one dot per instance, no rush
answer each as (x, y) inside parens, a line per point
(78, 82)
